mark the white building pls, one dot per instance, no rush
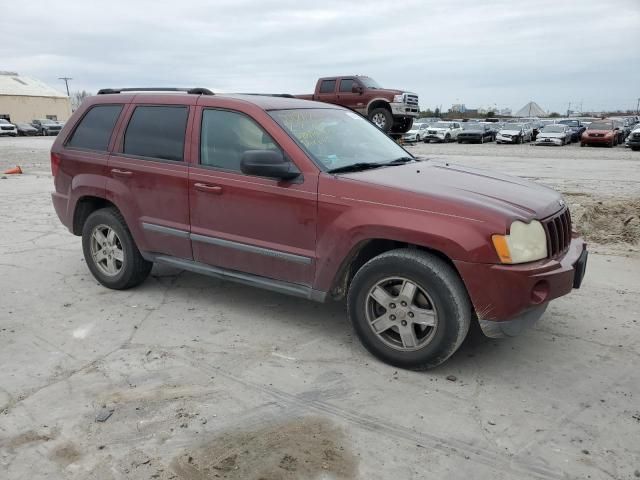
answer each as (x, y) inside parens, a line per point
(23, 99)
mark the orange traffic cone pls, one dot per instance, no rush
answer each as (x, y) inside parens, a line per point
(13, 171)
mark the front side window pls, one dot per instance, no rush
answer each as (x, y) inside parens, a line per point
(157, 132)
(94, 130)
(225, 136)
(327, 86)
(346, 85)
(337, 138)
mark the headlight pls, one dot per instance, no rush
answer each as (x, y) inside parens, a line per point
(526, 242)
(398, 98)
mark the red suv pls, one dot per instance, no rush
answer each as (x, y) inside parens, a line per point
(312, 200)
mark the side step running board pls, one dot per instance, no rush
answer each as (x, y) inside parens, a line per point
(240, 277)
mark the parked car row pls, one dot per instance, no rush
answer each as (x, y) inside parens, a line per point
(558, 132)
(36, 127)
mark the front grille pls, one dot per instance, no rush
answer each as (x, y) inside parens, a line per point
(432, 132)
(636, 136)
(596, 134)
(558, 230)
(411, 99)
(6, 128)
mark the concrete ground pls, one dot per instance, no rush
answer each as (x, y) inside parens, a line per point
(207, 379)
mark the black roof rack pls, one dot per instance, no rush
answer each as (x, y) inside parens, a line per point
(282, 95)
(192, 91)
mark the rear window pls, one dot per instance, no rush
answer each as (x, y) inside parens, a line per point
(157, 132)
(94, 130)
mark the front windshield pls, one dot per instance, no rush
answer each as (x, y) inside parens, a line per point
(571, 123)
(369, 82)
(338, 138)
(512, 126)
(441, 125)
(553, 129)
(472, 126)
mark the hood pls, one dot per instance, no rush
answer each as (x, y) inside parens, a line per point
(472, 130)
(509, 132)
(439, 129)
(599, 131)
(455, 186)
(551, 135)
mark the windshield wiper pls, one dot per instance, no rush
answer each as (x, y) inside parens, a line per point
(356, 167)
(401, 161)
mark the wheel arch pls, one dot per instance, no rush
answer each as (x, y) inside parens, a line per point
(364, 251)
(378, 103)
(84, 207)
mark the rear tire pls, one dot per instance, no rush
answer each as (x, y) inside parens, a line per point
(130, 269)
(409, 308)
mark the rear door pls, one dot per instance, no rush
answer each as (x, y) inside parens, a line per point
(148, 176)
(250, 224)
(327, 90)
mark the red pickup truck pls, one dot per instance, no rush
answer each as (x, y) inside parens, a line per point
(390, 110)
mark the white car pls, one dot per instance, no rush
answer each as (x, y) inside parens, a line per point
(558, 134)
(7, 128)
(514, 133)
(443, 132)
(417, 132)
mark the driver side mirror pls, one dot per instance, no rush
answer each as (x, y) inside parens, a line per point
(355, 88)
(268, 163)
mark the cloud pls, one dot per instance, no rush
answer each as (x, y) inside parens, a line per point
(477, 53)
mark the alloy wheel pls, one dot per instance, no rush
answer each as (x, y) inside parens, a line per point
(106, 250)
(401, 314)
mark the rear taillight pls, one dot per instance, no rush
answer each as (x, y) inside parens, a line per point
(55, 163)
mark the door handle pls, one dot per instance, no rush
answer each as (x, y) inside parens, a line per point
(203, 187)
(121, 173)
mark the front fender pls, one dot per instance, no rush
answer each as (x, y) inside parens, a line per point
(344, 228)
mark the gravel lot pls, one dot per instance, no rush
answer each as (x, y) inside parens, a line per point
(207, 379)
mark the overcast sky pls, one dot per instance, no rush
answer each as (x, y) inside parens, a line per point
(460, 51)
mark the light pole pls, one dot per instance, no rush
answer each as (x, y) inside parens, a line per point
(638, 107)
(66, 82)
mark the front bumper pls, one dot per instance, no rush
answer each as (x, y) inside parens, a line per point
(469, 138)
(404, 110)
(410, 138)
(597, 140)
(518, 294)
(633, 143)
(503, 139)
(549, 141)
(439, 137)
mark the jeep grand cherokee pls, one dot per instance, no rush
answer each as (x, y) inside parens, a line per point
(313, 200)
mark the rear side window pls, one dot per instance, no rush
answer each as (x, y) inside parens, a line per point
(94, 130)
(157, 132)
(327, 86)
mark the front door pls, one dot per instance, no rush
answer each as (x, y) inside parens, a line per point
(346, 97)
(249, 224)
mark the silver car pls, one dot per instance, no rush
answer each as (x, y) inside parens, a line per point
(557, 134)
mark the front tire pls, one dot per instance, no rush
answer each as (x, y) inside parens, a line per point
(110, 251)
(447, 138)
(381, 118)
(409, 308)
